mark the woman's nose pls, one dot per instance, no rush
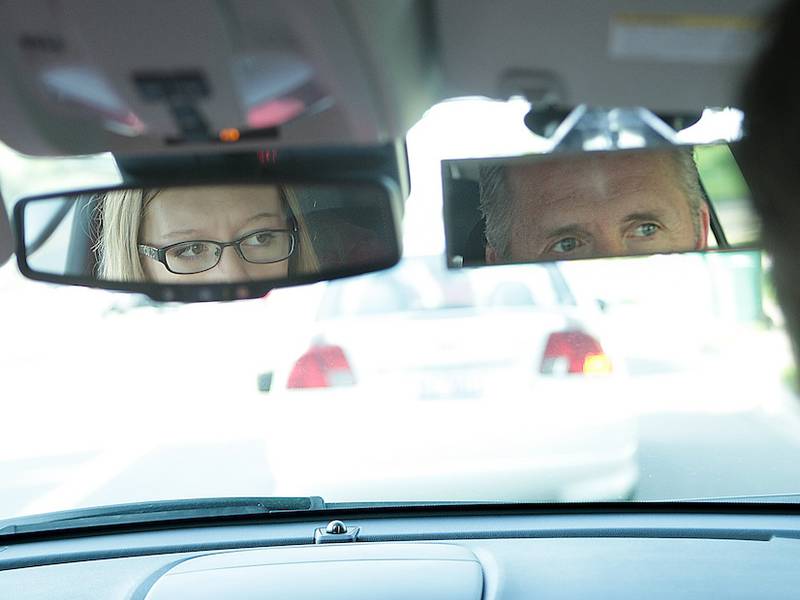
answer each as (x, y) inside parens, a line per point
(231, 268)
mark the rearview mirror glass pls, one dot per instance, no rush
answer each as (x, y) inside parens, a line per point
(596, 204)
(206, 242)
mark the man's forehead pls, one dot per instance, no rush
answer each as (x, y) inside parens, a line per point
(599, 174)
(605, 188)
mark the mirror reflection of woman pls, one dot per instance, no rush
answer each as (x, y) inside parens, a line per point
(213, 234)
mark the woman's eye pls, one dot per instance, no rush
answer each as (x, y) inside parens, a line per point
(192, 250)
(566, 245)
(645, 230)
(263, 238)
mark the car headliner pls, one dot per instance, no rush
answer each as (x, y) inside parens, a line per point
(381, 64)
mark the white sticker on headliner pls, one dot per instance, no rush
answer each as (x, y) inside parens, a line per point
(698, 39)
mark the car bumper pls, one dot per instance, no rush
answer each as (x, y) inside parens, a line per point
(456, 450)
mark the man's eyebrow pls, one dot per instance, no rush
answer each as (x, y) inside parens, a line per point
(643, 216)
(574, 229)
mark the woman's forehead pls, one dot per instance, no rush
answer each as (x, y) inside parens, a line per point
(223, 199)
(217, 210)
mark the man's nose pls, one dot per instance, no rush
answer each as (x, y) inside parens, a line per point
(610, 244)
(231, 268)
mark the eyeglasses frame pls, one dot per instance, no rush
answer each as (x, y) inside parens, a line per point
(160, 254)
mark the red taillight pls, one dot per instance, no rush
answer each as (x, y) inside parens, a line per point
(321, 367)
(574, 352)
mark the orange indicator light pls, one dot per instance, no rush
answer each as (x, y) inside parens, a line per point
(229, 135)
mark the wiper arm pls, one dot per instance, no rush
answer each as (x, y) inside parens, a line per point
(164, 510)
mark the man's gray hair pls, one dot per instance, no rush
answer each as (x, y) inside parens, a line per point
(498, 209)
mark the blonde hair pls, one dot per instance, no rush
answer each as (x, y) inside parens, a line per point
(120, 216)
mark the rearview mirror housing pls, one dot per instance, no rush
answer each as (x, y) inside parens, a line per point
(219, 227)
(596, 204)
(6, 237)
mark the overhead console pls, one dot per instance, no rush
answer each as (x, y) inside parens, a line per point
(87, 76)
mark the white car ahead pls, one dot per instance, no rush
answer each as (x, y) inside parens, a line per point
(543, 403)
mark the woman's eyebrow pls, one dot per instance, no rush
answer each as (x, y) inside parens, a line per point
(180, 233)
(264, 215)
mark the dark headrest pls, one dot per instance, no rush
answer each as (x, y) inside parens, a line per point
(464, 223)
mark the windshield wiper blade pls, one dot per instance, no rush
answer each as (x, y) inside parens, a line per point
(762, 498)
(163, 510)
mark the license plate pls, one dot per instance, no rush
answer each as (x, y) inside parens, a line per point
(438, 387)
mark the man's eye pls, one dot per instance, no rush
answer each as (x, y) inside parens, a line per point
(566, 245)
(645, 230)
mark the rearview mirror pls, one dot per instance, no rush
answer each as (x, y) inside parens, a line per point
(6, 237)
(596, 204)
(209, 241)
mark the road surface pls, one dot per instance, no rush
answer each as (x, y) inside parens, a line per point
(682, 454)
(128, 416)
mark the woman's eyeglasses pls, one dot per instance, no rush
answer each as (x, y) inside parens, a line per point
(261, 247)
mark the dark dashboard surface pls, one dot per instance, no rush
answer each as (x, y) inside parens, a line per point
(578, 555)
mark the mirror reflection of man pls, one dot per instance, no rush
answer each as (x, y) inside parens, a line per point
(592, 205)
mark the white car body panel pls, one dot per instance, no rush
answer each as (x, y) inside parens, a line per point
(466, 382)
(558, 446)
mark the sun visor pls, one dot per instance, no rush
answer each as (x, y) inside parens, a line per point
(670, 57)
(192, 75)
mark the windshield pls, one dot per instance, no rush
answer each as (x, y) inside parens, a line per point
(655, 378)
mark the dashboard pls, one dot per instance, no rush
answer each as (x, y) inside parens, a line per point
(738, 553)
